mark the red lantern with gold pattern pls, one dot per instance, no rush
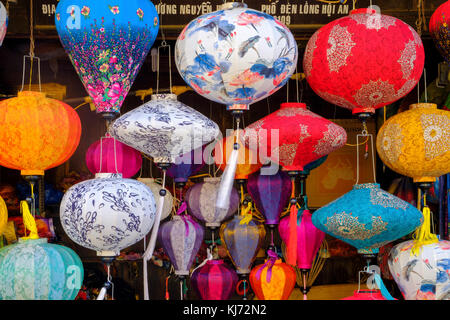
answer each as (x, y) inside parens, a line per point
(364, 61)
(303, 136)
(440, 29)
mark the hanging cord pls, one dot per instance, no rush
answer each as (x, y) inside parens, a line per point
(163, 45)
(421, 21)
(365, 134)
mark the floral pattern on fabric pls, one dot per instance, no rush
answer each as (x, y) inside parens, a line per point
(440, 29)
(374, 21)
(341, 45)
(345, 225)
(95, 47)
(236, 56)
(392, 142)
(407, 59)
(107, 214)
(334, 138)
(436, 133)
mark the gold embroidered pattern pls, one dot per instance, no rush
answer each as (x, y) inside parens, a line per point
(303, 133)
(374, 21)
(374, 93)
(436, 132)
(407, 59)
(347, 226)
(333, 138)
(341, 43)
(392, 141)
(309, 53)
(386, 200)
(285, 154)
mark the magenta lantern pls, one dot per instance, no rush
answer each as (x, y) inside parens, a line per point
(214, 281)
(111, 156)
(309, 238)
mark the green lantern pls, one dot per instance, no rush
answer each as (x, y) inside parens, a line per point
(33, 269)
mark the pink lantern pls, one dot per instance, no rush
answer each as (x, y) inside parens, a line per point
(111, 156)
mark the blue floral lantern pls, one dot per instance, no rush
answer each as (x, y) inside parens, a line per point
(33, 269)
(107, 43)
(367, 218)
(236, 56)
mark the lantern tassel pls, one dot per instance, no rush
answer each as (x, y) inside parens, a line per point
(226, 184)
(247, 214)
(423, 236)
(292, 241)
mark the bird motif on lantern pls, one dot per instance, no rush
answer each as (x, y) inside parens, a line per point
(93, 34)
(345, 69)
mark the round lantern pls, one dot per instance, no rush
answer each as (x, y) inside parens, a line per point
(214, 281)
(3, 22)
(38, 133)
(440, 29)
(93, 33)
(155, 188)
(107, 214)
(33, 269)
(112, 156)
(181, 239)
(236, 56)
(200, 199)
(242, 239)
(364, 61)
(367, 218)
(247, 161)
(270, 194)
(416, 142)
(164, 128)
(3, 215)
(309, 239)
(273, 280)
(303, 136)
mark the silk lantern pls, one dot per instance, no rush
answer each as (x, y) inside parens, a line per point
(186, 165)
(424, 275)
(108, 213)
(303, 136)
(364, 61)
(365, 295)
(242, 239)
(367, 218)
(309, 239)
(214, 281)
(3, 22)
(33, 269)
(38, 133)
(111, 156)
(93, 34)
(236, 56)
(155, 188)
(3, 215)
(200, 199)
(270, 194)
(164, 128)
(273, 280)
(247, 160)
(440, 29)
(416, 142)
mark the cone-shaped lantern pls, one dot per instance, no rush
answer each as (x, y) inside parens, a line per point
(94, 34)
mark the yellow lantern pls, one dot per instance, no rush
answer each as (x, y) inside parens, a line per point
(416, 142)
(3, 216)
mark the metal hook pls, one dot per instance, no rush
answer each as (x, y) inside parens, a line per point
(365, 135)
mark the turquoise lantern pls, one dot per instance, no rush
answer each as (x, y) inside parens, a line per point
(33, 269)
(367, 218)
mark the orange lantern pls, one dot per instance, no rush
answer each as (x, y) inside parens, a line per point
(247, 162)
(273, 280)
(38, 133)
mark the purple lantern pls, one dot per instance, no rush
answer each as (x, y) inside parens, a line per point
(201, 198)
(186, 165)
(270, 194)
(214, 281)
(181, 239)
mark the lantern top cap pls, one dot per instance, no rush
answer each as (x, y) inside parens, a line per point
(106, 175)
(36, 241)
(211, 179)
(164, 96)
(232, 5)
(366, 186)
(363, 11)
(278, 261)
(31, 94)
(423, 105)
(298, 105)
(215, 262)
